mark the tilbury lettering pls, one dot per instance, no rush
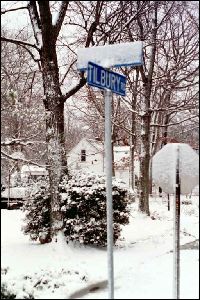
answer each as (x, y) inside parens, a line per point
(104, 79)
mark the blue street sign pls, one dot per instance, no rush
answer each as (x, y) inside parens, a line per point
(99, 77)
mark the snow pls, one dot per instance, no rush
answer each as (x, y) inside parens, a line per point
(55, 18)
(15, 192)
(32, 169)
(164, 168)
(116, 55)
(143, 263)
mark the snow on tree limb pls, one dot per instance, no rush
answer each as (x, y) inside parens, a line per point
(60, 17)
(176, 123)
(35, 21)
(4, 11)
(81, 83)
(18, 142)
(9, 156)
(18, 42)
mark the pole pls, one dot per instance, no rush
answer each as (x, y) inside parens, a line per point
(168, 202)
(8, 203)
(108, 168)
(176, 287)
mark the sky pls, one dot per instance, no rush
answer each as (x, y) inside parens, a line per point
(16, 19)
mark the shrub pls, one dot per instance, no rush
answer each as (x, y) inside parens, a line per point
(6, 293)
(84, 209)
(37, 212)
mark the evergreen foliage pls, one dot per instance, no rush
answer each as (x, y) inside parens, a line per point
(6, 293)
(38, 212)
(84, 209)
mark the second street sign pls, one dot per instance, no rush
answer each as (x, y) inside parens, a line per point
(101, 78)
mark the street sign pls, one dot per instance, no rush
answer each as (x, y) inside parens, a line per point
(115, 55)
(101, 78)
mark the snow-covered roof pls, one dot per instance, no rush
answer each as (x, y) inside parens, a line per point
(34, 170)
(15, 192)
(97, 144)
(121, 152)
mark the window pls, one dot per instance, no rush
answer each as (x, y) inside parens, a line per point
(83, 155)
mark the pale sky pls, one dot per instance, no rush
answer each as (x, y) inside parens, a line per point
(15, 19)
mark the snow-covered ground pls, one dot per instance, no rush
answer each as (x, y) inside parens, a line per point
(143, 261)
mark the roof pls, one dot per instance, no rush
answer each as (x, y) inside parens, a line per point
(121, 152)
(96, 144)
(15, 193)
(33, 170)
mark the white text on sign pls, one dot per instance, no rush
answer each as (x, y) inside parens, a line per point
(102, 78)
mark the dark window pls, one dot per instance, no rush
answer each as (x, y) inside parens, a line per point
(83, 155)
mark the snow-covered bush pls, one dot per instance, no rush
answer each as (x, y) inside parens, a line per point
(6, 293)
(84, 208)
(37, 212)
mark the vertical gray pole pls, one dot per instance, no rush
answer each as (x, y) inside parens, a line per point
(108, 168)
(176, 287)
(8, 203)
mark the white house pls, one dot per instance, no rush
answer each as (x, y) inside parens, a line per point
(27, 172)
(88, 155)
(32, 171)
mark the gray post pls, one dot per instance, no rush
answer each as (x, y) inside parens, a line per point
(176, 287)
(108, 168)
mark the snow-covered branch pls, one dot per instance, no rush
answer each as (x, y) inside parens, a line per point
(19, 142)
(128, 105)
(9, 156)
(35, 21)
(18, 42)
(60, 17)
(76, 88)
(4, 11)
(176, 123)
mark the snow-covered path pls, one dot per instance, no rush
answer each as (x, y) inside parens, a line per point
(143, 262)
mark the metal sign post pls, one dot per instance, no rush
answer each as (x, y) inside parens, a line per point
(110, 82)
(176, 281)
(108, 160)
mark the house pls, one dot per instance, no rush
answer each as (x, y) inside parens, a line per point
(32, 171)
(13, 197)
(88, 155)
(27, 172)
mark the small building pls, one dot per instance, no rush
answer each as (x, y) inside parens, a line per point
(13, 197)
(88, 155)
(32, 171)
(27, 172)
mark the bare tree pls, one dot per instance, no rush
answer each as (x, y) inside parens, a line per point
(46, 32)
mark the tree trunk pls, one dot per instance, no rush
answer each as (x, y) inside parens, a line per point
(146, 117)
(132, 149)
(133, 132)
(54, 105)
(144, 166)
